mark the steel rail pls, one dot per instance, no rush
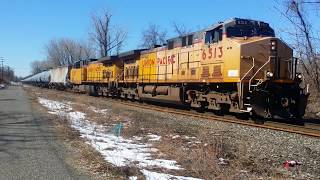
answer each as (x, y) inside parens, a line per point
(284, 127)
(267, 125)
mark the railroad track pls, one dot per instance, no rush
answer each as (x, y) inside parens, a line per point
(309, 129)
(312, 130)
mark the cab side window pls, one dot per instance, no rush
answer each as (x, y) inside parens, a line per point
(213, 36)
(187, 40)
(184, 41)
(190, 40)
(170, 45)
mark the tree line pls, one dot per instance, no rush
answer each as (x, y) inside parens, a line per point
(7, 74)
(105, 39)
(304, 37)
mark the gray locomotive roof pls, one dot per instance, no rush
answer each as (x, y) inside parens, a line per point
(88, 60)
(130, 53)
(121, 55)
(228, 21)
(107, 58)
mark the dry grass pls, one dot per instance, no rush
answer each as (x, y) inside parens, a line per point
(313, 106)
(199, 156)
(82, 156)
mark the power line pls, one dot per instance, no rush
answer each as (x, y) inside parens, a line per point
(310, 2)
(2, 60)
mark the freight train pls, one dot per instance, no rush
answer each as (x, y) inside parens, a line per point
(234, 66)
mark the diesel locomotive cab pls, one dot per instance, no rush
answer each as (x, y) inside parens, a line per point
(270, 86)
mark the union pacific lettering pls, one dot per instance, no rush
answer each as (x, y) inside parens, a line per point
(149, 62)
(212, 53)
(166, 60)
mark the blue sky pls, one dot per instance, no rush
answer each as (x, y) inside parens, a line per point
(27, 25)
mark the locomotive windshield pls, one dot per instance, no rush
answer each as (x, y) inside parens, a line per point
(249, 29)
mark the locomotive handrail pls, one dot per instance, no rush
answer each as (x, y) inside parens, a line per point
(240, 88)
(258, 71)
(189, 62)
(288, 61)
(119, 76)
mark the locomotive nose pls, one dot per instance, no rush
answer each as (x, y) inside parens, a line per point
(281, 59)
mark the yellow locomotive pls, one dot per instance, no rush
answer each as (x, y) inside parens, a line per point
(237, 65)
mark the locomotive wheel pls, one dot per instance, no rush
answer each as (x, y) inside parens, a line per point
(224, 109)
(93, 91)
(202, 108)
(257, 119)
(243, 116)
(218, 112)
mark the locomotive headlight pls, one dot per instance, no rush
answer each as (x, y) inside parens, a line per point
(299, 76)
(273, 45)
(269, 74)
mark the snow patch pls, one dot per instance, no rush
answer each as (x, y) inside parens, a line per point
(116, 149)
(223, 161)
(153, 137)
(133, 178)
(188, 137)
(124, 152)
(77, 115)
(162, 176)
(54, 106)
(175, 136)
(137, 138)
(101, 111)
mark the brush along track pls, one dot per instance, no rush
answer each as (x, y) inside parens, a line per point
(312, 130)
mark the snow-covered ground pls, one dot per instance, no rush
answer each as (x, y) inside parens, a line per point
(101, 111)
(116, 150)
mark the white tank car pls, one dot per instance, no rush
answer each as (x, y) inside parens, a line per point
(40, 79)
(59, 77)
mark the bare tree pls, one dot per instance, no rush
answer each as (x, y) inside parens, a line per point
(180, 29)
(7, 74)
(107, 36)
(152, 36)
(35, 67)
(39, 66)
(306, 43)
(66, 51)
(61, 52)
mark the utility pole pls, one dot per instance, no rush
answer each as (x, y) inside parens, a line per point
(2, 60)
